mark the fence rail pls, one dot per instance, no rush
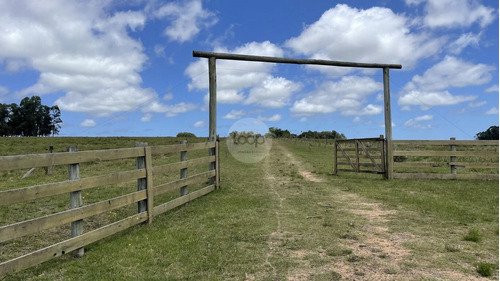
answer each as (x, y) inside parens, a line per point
(354, 154)
(416, 159)
(144, 196)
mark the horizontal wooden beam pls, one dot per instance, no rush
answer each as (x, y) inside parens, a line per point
(182, 200)
(19, 195)
(182, 165)
(487, 154)
(226, 56)
(447, 142)
(69, 245)
(445, 176)
(445, 164)
(162, 149)
(24, 228)
(175, 185)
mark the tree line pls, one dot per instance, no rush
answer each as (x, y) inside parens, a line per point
(279, 133)
(29, 119)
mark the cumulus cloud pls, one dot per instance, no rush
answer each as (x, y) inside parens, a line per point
(492, 111)
(273, 118)
(274, 92)
(455, 13)
(346, 95)
(451, 72)
(373, 35)
(465, 40)
(170, 110)
(417, 122)
(88, 123)
(199, 124)
(428, 99)
(492, 89)
(86, 53)
(234, 76)
(235, 114)
(186, 19)
(431, 89)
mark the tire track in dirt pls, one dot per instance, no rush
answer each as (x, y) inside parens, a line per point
(381, 253)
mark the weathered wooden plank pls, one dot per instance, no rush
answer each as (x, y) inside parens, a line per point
(182, 200)
(174, 167)
(360, 171)
(176, 148)
(217, 164)
(8, 163)
(346, 156)
(19, 195)
(445, 176)
(149, 183)
(195, 179)
(75, 198)
(444, 164)
(226, 56)
(20, 229)
(447, 142)
(360, 164)
(69, 245)
(184, 171)
(375, 164)
(488, 154)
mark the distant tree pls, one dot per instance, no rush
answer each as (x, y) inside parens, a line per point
(29, 118)
(186, 135)
(490, 134)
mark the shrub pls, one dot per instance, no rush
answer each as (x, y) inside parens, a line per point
(473, 235)
(485, 269)
(186, 135)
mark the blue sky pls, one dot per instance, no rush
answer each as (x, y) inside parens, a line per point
(125, 68)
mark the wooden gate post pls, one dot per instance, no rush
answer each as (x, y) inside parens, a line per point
(140, 163)
(453, 168)
(212, 111)
(184, 171)
(75, 198)
(335, 155)
(388, 123)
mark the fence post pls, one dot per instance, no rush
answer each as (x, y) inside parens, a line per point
(356, 147)
(382, 154)
(149, 183)
(335, 165)
(48, 169)
(184, 171)
(453, 168)
(217, 164)
(75, 198)
(140, 163)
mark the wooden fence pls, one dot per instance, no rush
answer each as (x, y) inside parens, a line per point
(360, 155)
(441, 159)
(143, 197)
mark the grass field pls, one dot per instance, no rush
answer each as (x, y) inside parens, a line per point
(287, 218)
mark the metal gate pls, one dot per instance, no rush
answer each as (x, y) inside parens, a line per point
(360, 156)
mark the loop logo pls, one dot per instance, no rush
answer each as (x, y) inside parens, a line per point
(247, 142)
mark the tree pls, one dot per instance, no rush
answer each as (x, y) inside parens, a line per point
(29, 118)
(490, 134)
(186, 135)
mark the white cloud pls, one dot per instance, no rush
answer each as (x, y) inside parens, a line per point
(168, 97)
(373, 35)
(465, 40)
(187, 19)
(428, 99)
(346, 95)
(451, 72)
(169, 110)
(456, 13)
(147, 117)
(478, 104)
(430, 89)
(88, 123)
(199, 124)
(492, 111)
(492, 89)
(3, 91)
(275, 117)
(416, 123)
(234, 76)
(235, 114)
(274, 92)
(159, 51)
(80, 49)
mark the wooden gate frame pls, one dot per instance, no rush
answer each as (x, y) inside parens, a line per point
(359, 146)
(212, 87)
